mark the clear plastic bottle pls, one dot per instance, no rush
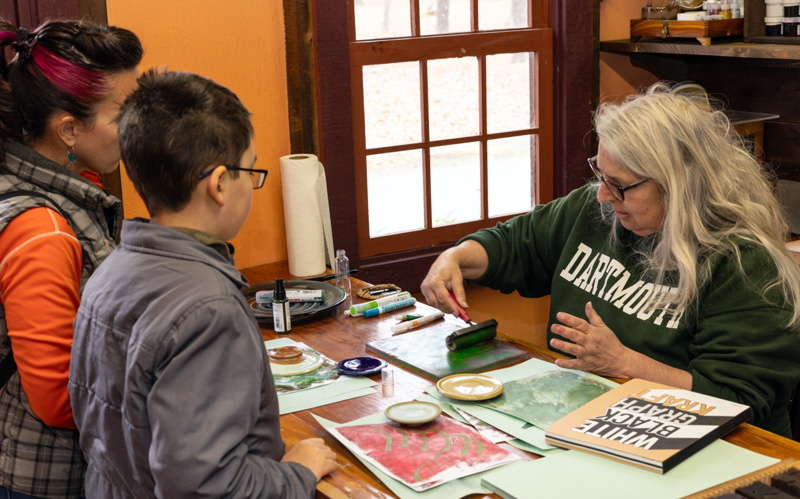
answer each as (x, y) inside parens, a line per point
(281, 316)
(342, 268)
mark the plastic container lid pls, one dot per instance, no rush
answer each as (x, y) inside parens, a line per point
(773, 20)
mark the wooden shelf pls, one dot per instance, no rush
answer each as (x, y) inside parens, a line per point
(739, 49)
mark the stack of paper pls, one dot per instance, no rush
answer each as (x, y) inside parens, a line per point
(343, 388)
(576, 475)
(531, 435)
(455, 489)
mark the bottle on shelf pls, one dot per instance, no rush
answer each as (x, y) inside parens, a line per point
(725, 9)
(713, 9)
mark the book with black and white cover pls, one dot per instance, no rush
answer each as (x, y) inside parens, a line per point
(646, 424)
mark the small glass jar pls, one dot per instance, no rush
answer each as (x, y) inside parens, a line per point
(789, 26)
(773, 26)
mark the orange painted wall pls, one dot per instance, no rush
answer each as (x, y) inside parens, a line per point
(240, 45)
(618, 77)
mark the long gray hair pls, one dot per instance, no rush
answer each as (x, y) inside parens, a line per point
(715, 193)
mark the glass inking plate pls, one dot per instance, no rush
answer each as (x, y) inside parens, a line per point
(300, 311)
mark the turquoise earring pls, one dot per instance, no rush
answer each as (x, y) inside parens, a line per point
(71, 158)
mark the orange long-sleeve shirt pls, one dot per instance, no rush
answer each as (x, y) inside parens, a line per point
(40, 274)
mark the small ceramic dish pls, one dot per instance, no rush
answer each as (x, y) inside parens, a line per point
(309, 361)
(413, 413)
(470, 387)
(361, 366)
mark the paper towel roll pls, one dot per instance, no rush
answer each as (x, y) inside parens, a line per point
(309, 239)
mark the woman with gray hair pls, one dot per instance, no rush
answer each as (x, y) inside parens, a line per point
(671, 267)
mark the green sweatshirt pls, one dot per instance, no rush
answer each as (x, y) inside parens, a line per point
(735, 343)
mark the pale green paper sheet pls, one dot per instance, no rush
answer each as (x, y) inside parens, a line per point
(577, 475)
(344, 389)
(311, 400)
(447, 407)
(450, 490)
(519, 444)
(518, 428)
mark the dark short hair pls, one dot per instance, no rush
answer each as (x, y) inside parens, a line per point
(171, 128)
(61, 65)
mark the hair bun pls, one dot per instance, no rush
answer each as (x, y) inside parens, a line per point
(23, 45)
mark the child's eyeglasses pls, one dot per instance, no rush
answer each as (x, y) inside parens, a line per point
(257, 177)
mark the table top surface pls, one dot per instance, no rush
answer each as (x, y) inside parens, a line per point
(341, 337)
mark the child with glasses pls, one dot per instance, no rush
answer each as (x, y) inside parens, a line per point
(169, 380)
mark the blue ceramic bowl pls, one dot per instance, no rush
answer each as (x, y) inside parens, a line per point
(361, 366)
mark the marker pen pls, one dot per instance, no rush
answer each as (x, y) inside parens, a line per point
(359, 309)
(390, 307)
(405, 326)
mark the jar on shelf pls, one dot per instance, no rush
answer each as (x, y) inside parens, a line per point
(789, 26)
(773, 26)
(791, 8)
(774, 10)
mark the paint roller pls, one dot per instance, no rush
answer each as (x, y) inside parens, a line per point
(472, 335)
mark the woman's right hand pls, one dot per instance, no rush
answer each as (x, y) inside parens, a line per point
(444, 276)
(468, 260)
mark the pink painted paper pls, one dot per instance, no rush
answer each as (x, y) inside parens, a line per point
(436, 452)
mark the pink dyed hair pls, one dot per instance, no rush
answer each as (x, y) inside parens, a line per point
(78, 82)
(7, 36)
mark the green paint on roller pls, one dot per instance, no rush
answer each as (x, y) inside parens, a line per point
(478, 333)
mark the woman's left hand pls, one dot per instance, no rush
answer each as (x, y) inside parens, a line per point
(595, 346)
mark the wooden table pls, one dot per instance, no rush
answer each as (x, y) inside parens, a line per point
(341, 337)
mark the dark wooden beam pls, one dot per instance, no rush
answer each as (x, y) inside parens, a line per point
(301, 79)
(336, 121)
(574, 79)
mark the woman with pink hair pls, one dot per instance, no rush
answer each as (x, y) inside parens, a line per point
(59, 100)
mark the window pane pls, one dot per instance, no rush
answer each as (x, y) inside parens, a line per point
(391, 104)
(382, 19)
(453, 97)
(511, 175)
(444, 16)
(502, 14)
(395, 193)
(455, 184)
(509, 92)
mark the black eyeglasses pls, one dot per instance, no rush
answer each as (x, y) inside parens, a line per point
(617, 190)
(257, 177)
